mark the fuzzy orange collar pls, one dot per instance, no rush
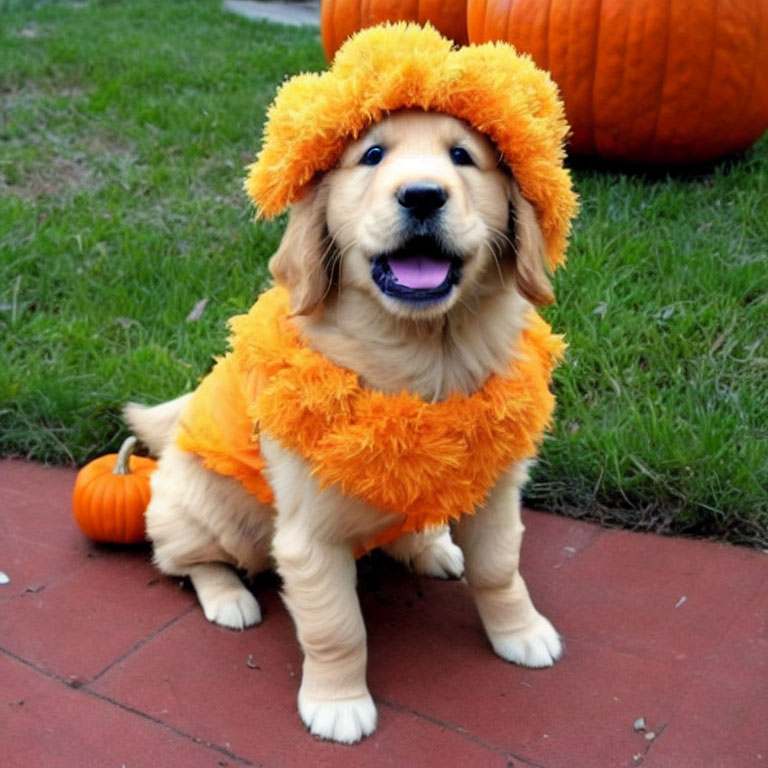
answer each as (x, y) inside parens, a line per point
(430, 462)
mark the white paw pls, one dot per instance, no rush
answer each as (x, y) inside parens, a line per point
(537, 645)
(233, 608)
(344, 720)
(442, 559)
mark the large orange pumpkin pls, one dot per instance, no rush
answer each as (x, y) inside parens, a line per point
(111, 494)
(665, 81)
(340, 18)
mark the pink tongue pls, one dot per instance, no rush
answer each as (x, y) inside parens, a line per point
(419, 271)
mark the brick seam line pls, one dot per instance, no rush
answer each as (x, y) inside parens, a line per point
(183, 734)
(652, 743)
(75, 685)
(144, 640)
(461, 731)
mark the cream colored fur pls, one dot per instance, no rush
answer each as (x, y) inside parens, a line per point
(206, 526)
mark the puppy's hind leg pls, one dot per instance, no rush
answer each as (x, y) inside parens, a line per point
(491, 542)
(430, 553)
(202, 526)
(224, 598)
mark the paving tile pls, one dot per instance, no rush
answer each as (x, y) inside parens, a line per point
(71, 606)
(721, 724)
(48, 724)
(660, 598)
(722, 721)
(159, 685)
(238, 689)
(406, 739)
(36, 504)
(578, 713)
(83, 622)
(31, 566)
(552, 543)
(39, 541)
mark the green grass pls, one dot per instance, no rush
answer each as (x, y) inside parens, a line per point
(124, 129)
(663, 415)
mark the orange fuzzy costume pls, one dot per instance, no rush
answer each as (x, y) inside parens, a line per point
(428, 462)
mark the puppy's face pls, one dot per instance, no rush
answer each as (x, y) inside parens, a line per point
(416, 213)
(417, 209)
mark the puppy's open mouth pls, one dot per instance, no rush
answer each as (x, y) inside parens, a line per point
(421, 271)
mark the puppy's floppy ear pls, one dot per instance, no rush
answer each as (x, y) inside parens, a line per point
(529, 250)
(299, 263)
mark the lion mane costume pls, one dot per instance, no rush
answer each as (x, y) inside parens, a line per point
(428, 462)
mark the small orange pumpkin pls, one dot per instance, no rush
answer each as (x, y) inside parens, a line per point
(340, 18)
(111, 494)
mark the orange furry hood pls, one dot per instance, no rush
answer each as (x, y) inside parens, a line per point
(404, 66)
(429, 462)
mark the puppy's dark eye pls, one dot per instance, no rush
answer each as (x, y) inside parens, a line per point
(373, 155)
(460, 156)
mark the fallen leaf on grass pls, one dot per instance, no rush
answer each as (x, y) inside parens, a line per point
(197, 311)
(664, 313)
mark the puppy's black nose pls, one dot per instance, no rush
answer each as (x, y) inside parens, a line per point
(422, 199)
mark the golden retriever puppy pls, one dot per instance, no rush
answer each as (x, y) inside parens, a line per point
(412, 263)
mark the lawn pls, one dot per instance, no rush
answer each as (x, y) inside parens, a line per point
(126, 241)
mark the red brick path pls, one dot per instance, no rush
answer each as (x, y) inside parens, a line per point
(103, 662)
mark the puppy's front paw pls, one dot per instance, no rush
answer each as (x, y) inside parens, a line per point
(442, 559)
(343, 720)
(536, 645)
(233, 608)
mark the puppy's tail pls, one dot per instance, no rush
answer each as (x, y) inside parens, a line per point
(155, 425)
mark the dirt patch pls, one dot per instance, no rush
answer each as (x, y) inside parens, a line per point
(14, 98)
(57, 176)
(29, 33)
(47, 150)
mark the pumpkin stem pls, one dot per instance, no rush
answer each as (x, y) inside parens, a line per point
(123, 463)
